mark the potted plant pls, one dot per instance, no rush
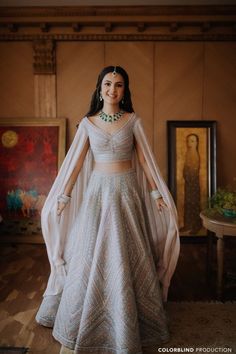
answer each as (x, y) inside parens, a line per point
(224, 202)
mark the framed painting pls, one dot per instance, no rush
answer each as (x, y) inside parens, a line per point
(191, 170)
(31, 152)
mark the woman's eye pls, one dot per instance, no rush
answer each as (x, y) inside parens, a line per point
(107, 84)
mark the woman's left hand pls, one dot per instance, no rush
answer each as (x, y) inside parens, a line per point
(160, 204)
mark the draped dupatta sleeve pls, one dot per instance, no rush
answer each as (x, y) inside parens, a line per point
(56, 228)
(164, 225)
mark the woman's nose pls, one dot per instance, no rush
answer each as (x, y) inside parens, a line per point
(112, 88)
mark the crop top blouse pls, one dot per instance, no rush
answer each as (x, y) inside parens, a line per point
(110, 147)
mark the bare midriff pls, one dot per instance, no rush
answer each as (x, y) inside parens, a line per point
(116, 166)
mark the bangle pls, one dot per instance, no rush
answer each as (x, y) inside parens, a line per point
(155, 194)
(63, 198)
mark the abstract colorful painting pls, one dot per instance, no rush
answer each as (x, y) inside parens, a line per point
(30, 154)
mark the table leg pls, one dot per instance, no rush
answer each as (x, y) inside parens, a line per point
(209, 254)
(220, 266)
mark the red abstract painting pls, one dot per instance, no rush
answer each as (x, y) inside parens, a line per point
(28, 165)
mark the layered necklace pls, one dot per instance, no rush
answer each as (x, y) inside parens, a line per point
(111, 117)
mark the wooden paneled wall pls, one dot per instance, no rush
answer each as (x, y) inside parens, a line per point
(17, 81)
(169, 80)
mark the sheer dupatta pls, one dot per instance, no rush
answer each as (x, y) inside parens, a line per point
(164, 225)
(56, 230)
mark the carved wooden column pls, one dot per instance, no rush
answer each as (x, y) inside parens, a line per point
(45, 78)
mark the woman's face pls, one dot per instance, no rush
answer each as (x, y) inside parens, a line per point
(112, 88)
(192, 141)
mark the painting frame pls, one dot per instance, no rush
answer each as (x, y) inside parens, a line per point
(45, 139)
(192, 173)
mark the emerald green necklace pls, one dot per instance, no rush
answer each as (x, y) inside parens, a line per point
(111, 117)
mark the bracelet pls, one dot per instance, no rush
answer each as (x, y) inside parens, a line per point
(63, 198)
(155, 194)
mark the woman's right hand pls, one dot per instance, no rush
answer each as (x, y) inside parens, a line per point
(60, 207)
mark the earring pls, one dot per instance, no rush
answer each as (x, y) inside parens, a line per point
(123, 101)
(100, 98)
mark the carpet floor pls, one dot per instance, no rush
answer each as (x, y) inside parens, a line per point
(209, 325)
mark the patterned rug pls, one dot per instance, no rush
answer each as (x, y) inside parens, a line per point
(202, 326)
(13, 350)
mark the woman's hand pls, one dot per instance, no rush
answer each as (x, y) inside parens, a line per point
(60, 207)
(160, 204)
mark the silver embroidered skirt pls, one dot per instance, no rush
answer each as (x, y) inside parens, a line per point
(111, 301)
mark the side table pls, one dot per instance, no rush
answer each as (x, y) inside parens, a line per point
(221, 226)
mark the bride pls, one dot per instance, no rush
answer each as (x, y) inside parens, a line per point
(110, 228)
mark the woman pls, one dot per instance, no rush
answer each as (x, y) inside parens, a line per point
(111, 233)
(192, 221)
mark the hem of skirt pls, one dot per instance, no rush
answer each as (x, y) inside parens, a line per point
(104, 350)
(43, 322)
(67, 343)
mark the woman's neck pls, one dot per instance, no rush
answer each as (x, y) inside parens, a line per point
(110, 109)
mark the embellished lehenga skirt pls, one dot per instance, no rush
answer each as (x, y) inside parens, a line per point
(111, 301)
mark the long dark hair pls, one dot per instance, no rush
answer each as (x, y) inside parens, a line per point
(126, 104)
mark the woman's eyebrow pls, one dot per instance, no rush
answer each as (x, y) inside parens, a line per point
(117, 82)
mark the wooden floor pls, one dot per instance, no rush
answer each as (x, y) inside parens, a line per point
(24, 271)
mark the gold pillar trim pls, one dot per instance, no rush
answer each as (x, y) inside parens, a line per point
(44, 56)
(45, 95)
